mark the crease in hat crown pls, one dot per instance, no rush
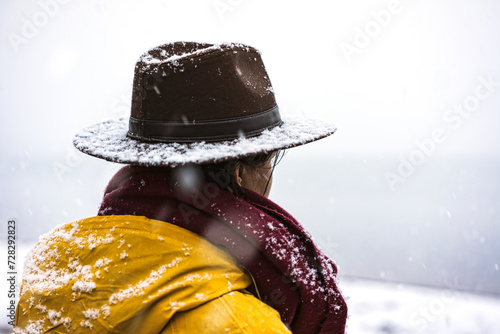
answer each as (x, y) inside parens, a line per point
(199, 103)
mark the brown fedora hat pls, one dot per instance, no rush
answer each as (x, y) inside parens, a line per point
(198, 103)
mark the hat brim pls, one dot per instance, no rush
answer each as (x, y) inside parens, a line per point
(108, 140)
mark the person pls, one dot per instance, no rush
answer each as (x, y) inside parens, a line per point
(186, 239)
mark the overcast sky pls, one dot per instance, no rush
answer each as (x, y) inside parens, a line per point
(386, 72)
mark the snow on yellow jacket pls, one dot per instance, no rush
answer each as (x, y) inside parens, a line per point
(129, 274)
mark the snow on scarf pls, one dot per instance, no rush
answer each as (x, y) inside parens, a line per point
(291, 274)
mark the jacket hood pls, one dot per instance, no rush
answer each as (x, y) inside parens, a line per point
(121, 273)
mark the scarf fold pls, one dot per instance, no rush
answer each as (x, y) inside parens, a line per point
(290, 273)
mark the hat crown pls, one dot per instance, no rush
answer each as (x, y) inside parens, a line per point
(198, 81)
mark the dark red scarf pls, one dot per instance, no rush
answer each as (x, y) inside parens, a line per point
(291, 274)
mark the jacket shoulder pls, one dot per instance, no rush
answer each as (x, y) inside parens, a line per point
(234, 312)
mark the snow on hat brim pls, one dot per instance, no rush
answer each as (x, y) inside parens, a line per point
(108, 140)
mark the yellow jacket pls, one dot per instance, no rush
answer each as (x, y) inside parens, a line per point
(129, 274)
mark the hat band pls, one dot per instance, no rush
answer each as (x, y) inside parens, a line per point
(207, 130)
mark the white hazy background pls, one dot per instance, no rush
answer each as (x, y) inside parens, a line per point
(372, 198)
